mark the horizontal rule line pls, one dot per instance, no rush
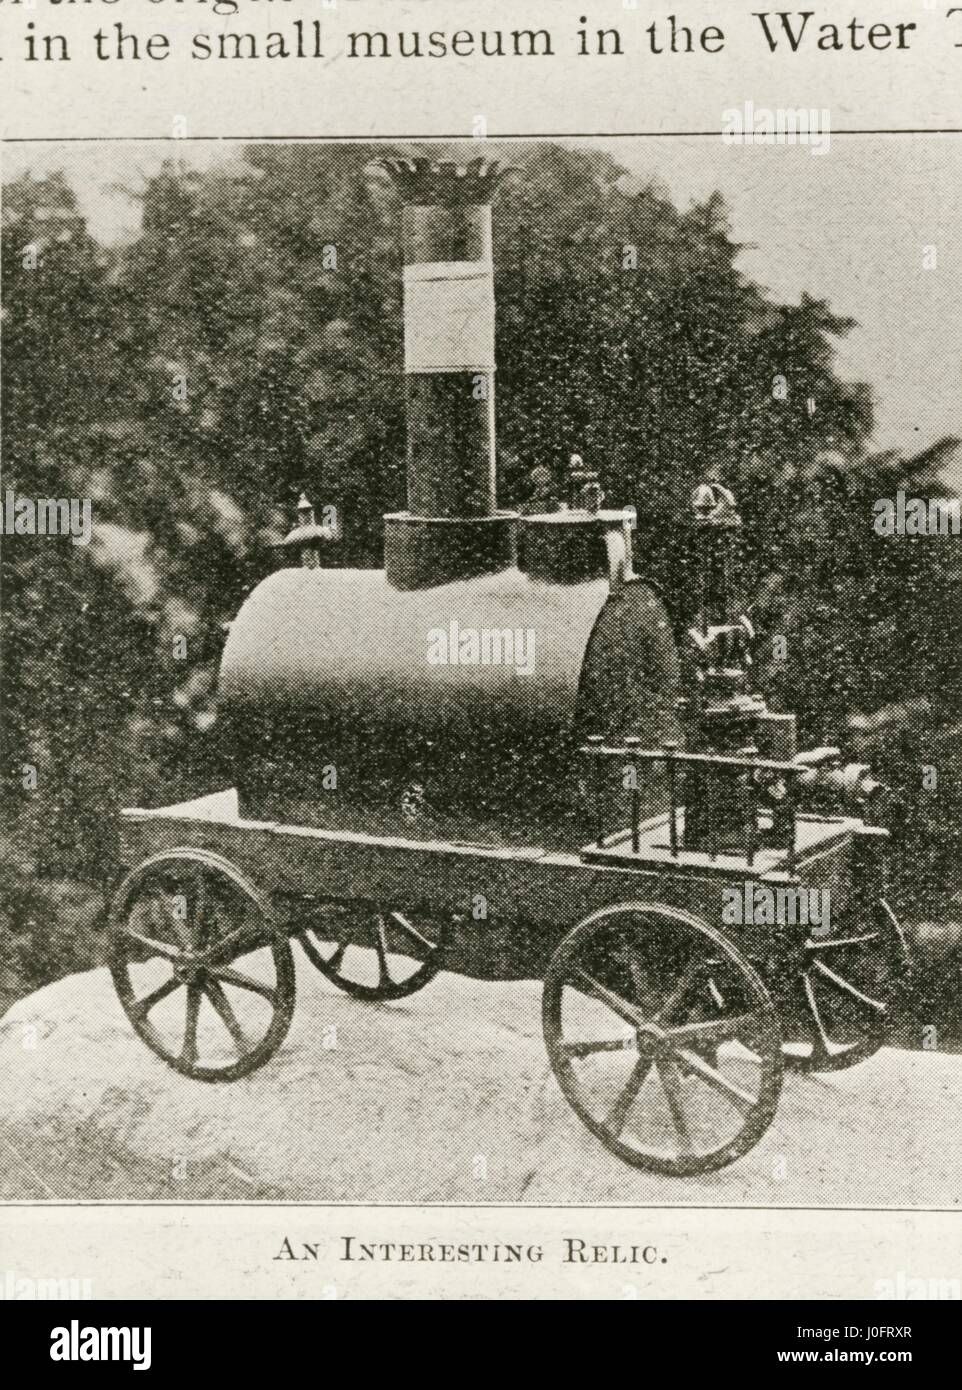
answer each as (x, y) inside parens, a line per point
(460, 136)
(519, 1207)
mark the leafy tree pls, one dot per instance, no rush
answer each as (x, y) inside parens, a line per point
(73, 652)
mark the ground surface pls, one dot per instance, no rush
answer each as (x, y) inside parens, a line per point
(445, 1097)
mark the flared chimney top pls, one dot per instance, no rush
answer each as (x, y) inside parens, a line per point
(432, 183)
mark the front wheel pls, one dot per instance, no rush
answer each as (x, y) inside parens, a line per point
(663, 1038)
(201, 967)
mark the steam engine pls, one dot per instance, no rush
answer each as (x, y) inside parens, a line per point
(388, 701)
(499, 714)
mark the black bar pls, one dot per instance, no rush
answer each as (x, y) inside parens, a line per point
(655, 755)
(594, 750)
(671, 752)
(631, 743)
(792, 822)
(915, 1335)
(751, 838)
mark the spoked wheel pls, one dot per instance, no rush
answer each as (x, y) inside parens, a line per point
(201, 967)
(375, 953)
(849, 991)
(663, 1038)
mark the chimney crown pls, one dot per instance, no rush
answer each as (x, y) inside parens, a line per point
(427, 183)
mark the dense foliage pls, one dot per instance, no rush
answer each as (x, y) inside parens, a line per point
(247, 343)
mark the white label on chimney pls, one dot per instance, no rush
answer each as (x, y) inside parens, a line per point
(449, 316)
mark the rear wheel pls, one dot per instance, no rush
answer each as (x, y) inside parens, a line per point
(849, 991)
(663, 1038)
(375, 953)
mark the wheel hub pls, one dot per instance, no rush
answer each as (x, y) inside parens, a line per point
(652, 1040)
(189, 972)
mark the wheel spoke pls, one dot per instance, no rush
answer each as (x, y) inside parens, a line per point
(846, 987)
(835, 943)
(179, 926)
(337, 959)
(226, 948)
(615, 1120)
(380, 946)
(188, 1053)
(198, 924)
(221, 1003)
(142, 1007)
(822, 1047)
(717, 1030)
(689, 976)
(713, 1078)
(639, 979)
(159, 948)
(409, 930)
(671, 1084)
(587, 1049)
(242, 981)
(156, 917)
(614, 1001)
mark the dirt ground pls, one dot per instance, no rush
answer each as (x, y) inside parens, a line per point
(444, 1097)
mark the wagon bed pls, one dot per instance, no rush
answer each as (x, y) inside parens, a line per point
(517, 882)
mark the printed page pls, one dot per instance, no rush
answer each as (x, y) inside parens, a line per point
(480, 558)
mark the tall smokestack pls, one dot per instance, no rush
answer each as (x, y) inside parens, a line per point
(452, 528)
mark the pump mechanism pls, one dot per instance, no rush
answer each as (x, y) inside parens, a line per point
(735, 786)
(725, 719)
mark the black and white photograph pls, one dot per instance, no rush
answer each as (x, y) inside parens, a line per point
(482, 745)
(479, 679)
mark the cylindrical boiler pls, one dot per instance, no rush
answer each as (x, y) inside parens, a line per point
(448, 713)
